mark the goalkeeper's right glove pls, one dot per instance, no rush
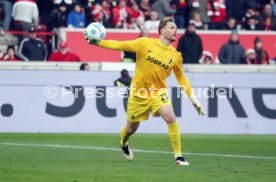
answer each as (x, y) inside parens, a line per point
(94, 42)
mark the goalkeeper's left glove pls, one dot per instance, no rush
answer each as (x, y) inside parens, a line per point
(197, 105)
(94, 42)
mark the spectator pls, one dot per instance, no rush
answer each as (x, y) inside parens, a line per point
(145, 7)
(76, 18)
(97, 14)
(217, 13)
(57, 18)
(44, 9)
(250, 56)
(63, 54)
(200, 6)
(261, 54)
(33, 48)
(207, 58)
(120, 14)
(267, 15)
(273, 3)
(10, 55)
(84, 67)
(25, 14)
(236, 9)
(181, 12)
(7, 7)
(231, 24)
(190, 45)
(153, 22)
(136, 12)
(267, 11)
(232, 52)
(132, 23)
(124, 80)
(196, 19)
(261, 4)
(163, 8)
(267, 24)
(106, 13)
(101, 13)
(250, 12)
(251, 23)
(68, 2)
(137, 17)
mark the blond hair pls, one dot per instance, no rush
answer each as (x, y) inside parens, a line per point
(164, 22)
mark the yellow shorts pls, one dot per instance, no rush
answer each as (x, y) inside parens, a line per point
(138, 109)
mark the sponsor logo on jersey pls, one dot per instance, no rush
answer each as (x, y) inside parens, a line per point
(158, 63)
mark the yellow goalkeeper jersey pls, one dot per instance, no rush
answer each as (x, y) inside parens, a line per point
(154, 63)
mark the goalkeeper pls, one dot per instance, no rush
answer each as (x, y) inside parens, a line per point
(155, 60)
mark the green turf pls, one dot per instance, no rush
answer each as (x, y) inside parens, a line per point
(46, 163)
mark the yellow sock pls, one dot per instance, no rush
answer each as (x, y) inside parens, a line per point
(124, 136)
(174, 134)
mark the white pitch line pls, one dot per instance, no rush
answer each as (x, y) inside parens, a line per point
(135, 150)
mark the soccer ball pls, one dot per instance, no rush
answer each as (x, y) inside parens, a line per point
(95, 31)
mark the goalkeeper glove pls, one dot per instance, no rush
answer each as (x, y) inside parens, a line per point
(94, 42)
(197, 105)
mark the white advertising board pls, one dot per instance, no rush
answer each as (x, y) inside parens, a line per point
(38, 101)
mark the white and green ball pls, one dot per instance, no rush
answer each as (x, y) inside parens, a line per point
(95, 31)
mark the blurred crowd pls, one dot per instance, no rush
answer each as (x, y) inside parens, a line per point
(135, 14)
(49, 15)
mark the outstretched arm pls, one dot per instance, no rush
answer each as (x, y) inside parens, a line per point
(130, 46)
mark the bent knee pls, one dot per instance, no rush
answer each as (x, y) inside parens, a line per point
(169, 118)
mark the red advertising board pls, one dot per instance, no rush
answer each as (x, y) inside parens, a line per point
(212, 41)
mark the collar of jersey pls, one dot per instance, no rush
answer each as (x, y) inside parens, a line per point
(160, 43)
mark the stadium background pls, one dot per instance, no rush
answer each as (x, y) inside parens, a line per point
(235, 141)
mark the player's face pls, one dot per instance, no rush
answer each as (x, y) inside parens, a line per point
(170, 31)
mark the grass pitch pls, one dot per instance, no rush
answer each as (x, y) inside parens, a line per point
(96, 157)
